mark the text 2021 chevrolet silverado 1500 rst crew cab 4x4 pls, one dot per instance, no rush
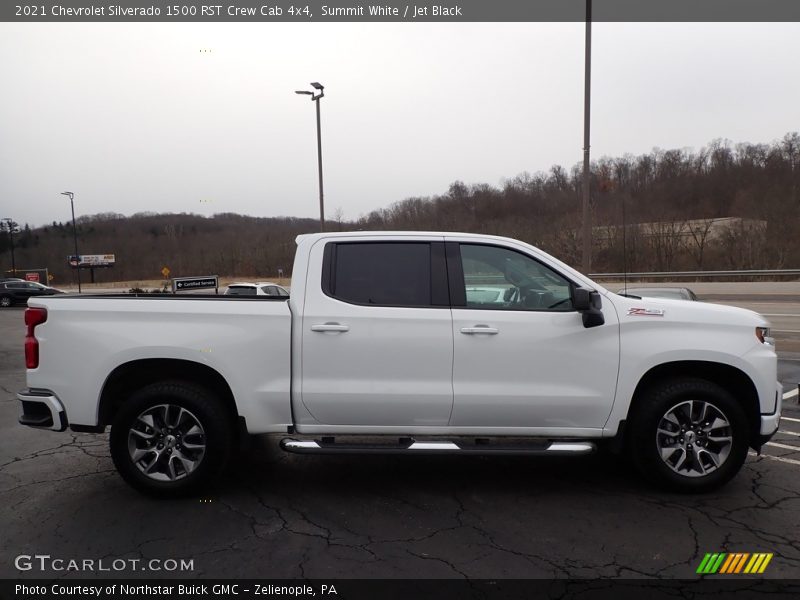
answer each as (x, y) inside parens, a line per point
(436, 342)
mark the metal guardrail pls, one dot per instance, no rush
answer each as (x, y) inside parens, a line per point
(667, 274)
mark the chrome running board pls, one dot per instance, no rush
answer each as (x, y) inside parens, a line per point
(411, 446)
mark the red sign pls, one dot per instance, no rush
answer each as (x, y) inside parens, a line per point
(31, 277)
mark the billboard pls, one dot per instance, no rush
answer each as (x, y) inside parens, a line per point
(91, 261)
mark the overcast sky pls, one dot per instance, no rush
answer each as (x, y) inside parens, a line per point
(134, 117)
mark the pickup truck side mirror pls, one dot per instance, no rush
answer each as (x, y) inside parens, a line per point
(589, 304)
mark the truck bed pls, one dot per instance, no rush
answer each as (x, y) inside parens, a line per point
(246, 340)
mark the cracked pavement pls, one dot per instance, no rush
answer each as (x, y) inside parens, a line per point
(277, 515)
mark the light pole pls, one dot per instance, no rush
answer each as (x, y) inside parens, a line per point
(75, 236)
(315, 98)
(12, 227)
(586, 262)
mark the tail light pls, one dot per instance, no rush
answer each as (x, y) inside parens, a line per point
(33, 317)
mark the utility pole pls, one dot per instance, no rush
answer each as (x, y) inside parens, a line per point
(586, 262)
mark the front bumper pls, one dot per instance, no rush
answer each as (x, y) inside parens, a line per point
(771, 422)
(41, 409)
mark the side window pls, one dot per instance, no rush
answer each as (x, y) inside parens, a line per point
(382, 274)
(241, 290)
(502, 279)
(282, 293)
(270, 290)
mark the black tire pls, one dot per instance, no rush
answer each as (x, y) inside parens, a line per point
(199, 407)
(644, 438)
(6, 301)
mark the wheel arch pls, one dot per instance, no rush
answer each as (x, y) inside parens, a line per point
(129, 377)
(733, 380)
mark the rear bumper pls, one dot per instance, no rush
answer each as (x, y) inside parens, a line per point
(41, 409)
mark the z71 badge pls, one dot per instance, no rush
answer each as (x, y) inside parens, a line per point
(645, 312)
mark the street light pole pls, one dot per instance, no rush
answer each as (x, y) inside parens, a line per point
(75, 236)
(11, 225)
(586, 262)
(315, 98)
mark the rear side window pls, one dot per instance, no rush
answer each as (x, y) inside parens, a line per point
(241, 290)
(380, 274)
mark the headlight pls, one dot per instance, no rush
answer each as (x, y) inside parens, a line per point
(763, 335)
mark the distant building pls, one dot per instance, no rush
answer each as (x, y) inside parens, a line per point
(692, 231)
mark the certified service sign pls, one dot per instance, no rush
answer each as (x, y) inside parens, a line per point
(182, 284)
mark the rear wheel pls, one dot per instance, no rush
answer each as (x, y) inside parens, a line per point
(171, 439)
(688, 435)
(5, 301)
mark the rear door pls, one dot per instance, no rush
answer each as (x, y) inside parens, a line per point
(377, 339)
(522, 357)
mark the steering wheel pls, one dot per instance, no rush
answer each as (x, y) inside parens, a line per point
(559, 303)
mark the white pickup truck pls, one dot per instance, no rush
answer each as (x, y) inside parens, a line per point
(408, 343)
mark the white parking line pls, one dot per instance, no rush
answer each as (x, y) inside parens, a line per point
(791, 394)
(790, 419)
(778, 458)
(784, 446)
(788, 432)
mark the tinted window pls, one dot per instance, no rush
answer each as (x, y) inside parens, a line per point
(241, 290)
(384, 274)
(283, 293)
(501, 279)
(270, 290)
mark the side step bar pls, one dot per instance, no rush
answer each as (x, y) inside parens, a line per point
(410, 446)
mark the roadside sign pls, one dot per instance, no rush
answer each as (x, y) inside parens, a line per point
(165, 272)
(181, 284)
(91, 261)
(32, 274)
(50, 277)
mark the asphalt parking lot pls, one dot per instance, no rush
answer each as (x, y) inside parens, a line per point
(276, 515)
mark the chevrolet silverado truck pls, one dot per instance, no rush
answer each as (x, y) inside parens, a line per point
(407, 343)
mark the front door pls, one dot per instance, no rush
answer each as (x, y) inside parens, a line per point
(522, 357)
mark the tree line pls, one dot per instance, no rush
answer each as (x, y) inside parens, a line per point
(725, 206)
(671, 203)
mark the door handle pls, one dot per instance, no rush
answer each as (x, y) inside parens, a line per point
(480, 329)
(330, 327)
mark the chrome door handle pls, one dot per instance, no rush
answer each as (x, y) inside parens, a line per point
(480, 329)
(330, 327)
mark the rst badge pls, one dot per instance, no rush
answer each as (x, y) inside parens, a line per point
(645, 312)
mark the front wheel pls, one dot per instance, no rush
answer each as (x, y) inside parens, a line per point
(5, 301)
(171, 439)
(689, 435)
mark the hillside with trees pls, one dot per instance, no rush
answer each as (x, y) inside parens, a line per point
(724, 206)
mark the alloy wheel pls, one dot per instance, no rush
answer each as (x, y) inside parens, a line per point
(166, 442)
(694, 438)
